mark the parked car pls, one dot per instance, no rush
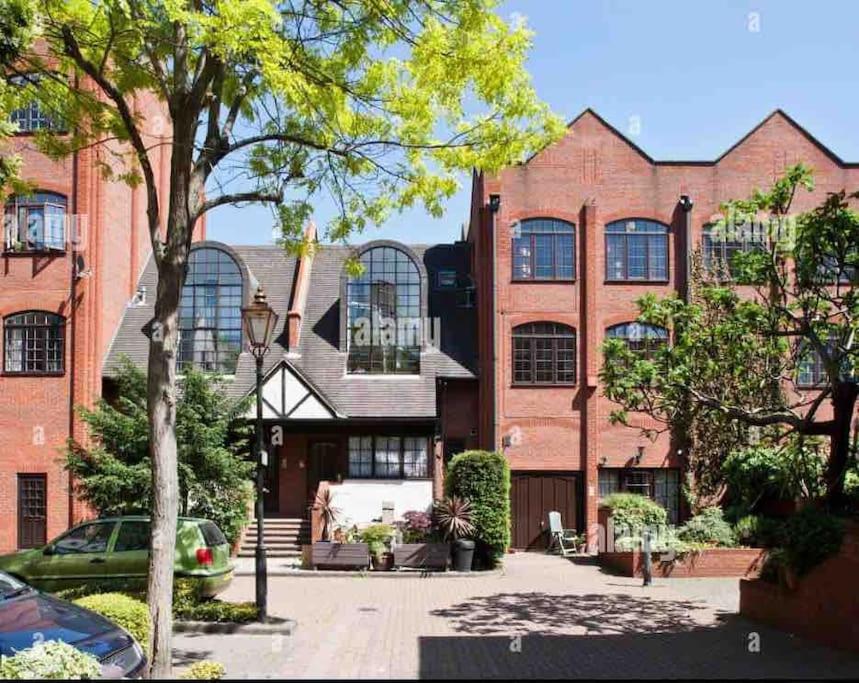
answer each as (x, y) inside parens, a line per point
(117, 548)
(27, 616)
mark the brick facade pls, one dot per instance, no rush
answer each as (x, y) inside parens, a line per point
(89, 284)
(593, 176)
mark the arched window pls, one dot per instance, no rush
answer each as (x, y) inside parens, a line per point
(636, 249)
(35, 222)
(384, 314)
(544, 353)
(640, 338)
(33, 343)
(210, 312)
(544, 249)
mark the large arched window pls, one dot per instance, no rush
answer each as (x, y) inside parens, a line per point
(384, 314)
(544, 249)
(35, 222)
(210, 312)
(33, 343)
(636, 249)
(544, 353)
(640, 338)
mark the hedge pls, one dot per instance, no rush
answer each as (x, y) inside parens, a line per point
(124, 611)
(484, 479)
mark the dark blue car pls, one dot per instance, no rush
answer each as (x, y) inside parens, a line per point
(28, 616)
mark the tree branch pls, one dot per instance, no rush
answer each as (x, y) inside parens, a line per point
(237, 198)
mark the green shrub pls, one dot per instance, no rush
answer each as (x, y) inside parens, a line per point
(134, 588)
(767, 472)
(759, 531)
(50, 659)
(122, 610)
(204, 671)
(810, 536)
(634, 512)
(709, 528)
(483, 478)
(189, 605)
(378, 537)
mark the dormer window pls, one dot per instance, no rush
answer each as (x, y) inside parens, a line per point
(210, 312)
(384, 327)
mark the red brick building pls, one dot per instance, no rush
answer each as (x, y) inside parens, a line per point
(72, 253)
(563, 245)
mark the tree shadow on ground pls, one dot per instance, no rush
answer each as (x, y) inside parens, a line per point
(547, 614)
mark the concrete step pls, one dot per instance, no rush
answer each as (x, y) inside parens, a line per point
(270, 552)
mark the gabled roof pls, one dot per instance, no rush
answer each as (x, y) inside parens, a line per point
(711, 162)
(320, 363)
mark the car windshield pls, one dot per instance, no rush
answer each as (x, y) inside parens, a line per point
(10, 586)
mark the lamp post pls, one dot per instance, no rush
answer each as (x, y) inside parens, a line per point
(260, 321)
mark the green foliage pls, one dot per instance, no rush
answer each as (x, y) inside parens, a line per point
(759, 531)
(709, 528)
(724, 371)
(49, 660)
(378, 537)
(632, 513)
(810, 536)
(189, 605)
(114, 476)
(380, 108)
(761, 472)
(204, 670)
(483, 478)
(126, 612)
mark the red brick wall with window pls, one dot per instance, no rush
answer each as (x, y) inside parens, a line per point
(36, 412)
(591, 177)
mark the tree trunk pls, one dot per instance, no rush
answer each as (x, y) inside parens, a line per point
(161, 408)
(161, 397)
(843, 405)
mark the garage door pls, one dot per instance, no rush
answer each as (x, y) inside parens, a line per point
(533, 496)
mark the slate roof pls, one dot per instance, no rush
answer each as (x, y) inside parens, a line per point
(319, 359)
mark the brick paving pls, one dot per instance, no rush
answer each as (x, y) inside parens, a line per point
(543, 616)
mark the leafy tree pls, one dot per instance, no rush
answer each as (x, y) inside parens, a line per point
(16, 34)
(376, 103)
(739, 343)
(115, 477)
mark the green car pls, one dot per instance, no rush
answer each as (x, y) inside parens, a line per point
(116, 549)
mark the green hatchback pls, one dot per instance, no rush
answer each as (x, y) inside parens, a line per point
(117, 549)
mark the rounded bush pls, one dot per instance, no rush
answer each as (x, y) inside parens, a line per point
(50, 659)
(483, 478)
(758, 531)
(127, 613)
(635, 512)
(708, 527)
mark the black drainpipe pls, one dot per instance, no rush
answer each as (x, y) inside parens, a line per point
(494, 206)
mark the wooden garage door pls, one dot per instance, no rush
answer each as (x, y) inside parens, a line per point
(534, 496)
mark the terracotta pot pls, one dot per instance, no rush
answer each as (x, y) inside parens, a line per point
(383, 562)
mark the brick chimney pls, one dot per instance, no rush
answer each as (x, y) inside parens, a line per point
(299, 291)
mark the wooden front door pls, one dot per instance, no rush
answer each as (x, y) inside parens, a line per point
(533, 497)
(324, 465)
(271, 500)
(32, 510)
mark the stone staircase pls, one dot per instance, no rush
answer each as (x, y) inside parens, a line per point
(284, 537)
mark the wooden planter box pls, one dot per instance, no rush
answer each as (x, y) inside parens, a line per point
(340, 555)
(712, 562)
(422, 555)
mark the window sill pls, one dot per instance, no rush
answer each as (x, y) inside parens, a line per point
(514, 385)
(542, 280)
(378, 479)
(35, 252)
(636, 282)
(7, 373)
(379, 375)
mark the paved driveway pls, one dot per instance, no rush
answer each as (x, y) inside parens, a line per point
(543, 616)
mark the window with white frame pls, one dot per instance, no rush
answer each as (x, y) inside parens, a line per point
(33, 343)
(389, 457)
(35, 222)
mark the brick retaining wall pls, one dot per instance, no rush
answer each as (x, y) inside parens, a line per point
(712, 562)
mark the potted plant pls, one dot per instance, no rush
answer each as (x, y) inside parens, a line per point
(420, 545)
(327, 512)
(378, 539)
(340, 555)
(453, 516)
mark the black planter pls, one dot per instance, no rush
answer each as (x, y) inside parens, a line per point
(463, 554)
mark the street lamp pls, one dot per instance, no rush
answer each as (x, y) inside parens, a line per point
(260, 321)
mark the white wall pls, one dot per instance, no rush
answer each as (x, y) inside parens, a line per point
(360, 500)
